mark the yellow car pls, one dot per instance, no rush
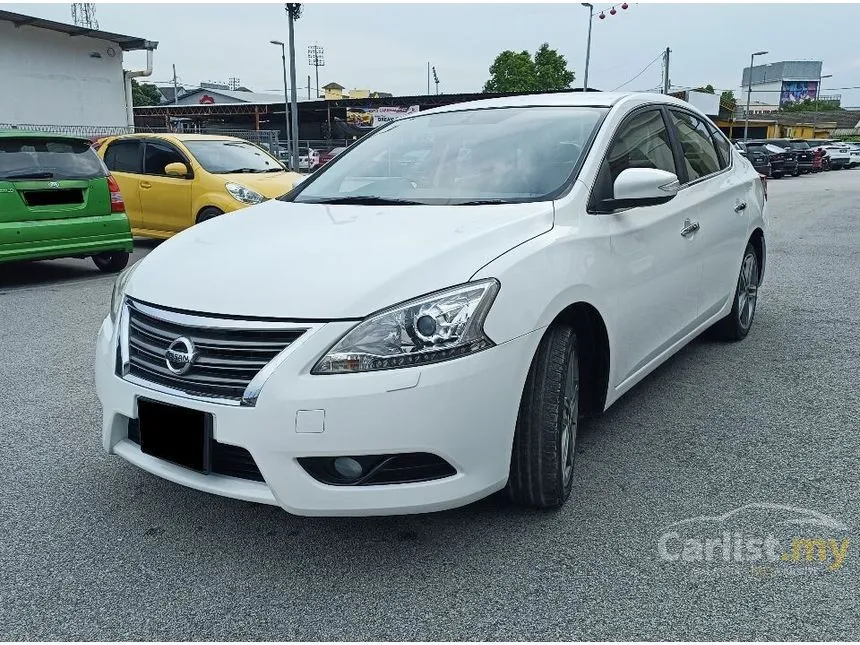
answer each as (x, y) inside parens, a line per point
(172, 181)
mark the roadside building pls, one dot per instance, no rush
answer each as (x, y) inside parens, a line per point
(66, 77)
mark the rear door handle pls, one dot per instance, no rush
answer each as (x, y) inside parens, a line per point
(689, 228)
(740, 207)
(145, 184)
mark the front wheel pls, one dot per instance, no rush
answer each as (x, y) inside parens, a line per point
(544, 445)
(210, 212)
(737, 324)
(111, 261)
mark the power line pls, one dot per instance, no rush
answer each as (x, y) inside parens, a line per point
(658, 57)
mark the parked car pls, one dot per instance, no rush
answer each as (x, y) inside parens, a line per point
(838, 155)
(777, 157)
(758, 158)
(309, 159)
(173, 181)
(799, 149)
(854, 151)
(379, 343)
(58, 200)
(328, 155)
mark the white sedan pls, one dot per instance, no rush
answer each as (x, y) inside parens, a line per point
(397, 337)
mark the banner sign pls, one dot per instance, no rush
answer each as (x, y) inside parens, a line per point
(369, 118)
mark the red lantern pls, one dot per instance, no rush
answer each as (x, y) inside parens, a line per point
(624, 6)
(602, 15)
(612, 11)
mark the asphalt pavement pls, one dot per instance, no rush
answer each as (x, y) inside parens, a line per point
(94, 549)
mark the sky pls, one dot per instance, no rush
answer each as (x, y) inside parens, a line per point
(386, 47)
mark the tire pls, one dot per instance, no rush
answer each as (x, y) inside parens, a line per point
(796, 173)
(544, 446)
(210, 212)
(736, 325)
(111, 261)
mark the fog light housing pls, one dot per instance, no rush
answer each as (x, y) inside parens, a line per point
(348, 468)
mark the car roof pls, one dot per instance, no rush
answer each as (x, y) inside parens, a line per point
(179, 136)
(11, 134)
(564, 99)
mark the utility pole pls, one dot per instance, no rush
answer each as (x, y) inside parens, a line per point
(666, 83)
(286, 94)
(818, 100)
(309, 88)
(175, 88)
(316, 58)
(294, 11)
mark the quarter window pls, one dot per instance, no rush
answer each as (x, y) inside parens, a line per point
(700, 154)
(158, 155)
(123, 156)
(724, 148)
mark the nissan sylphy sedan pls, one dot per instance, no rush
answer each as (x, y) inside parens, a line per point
(424, 321)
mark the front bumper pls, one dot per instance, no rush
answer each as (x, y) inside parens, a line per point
(463, 410)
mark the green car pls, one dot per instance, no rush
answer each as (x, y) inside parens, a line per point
(57, 199)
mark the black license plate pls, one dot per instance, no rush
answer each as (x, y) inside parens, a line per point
(179, 435)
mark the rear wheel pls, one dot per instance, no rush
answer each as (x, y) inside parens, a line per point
(737, 324)
(545, 438)
(796, 172)
(111, 261)
(210, 212)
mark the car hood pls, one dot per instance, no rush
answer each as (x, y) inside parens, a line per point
(268, 184)
(314, 261)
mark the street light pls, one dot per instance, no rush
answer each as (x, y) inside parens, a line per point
(749, 93)
(286, 92)
(590, 8)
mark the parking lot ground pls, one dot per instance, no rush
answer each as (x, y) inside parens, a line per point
(94, 548)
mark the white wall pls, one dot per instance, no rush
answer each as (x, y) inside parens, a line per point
(49, 78)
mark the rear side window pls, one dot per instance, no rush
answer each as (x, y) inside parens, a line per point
(700, 153)
(158, 155)
(123, 156)
(724, 148)
(46, 158)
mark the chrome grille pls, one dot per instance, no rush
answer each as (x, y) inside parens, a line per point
(226, 358)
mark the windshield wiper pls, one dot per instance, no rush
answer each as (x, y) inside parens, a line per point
(483, 202)
(239, 171)
(30, 175)
(367, 200)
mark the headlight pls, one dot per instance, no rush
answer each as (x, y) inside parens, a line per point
(437, 327)
(243, 194)
(118, 292)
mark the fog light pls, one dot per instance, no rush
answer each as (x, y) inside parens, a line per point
(348, 468)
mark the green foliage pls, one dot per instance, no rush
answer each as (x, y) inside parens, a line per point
(809, 105)
(144, 94)
(708, 89)
(519, 72)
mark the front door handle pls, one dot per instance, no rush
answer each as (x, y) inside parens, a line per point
(689, 228)
(145, 184)
(740, 207)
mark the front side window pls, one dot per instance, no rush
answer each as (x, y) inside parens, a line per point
(641, 142)
(157, 155)
(700, 154)
(46, 158)
(461, 157)
(124, 156)
(224, 157)
(724, 148)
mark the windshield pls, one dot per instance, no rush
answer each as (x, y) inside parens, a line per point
(461, 157)
(45, 158)
(227, 157)
(799, 145)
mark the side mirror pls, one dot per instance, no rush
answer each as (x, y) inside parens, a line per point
(642, 187)
(176, 169)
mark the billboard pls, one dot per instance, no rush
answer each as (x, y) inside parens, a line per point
(369, 118)
(793, 91)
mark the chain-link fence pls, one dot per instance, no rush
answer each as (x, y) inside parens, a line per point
(88, 131)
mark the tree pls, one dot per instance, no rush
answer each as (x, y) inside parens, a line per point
(809, 105)
(728, 98)
(144, 94)
(708, 89)
(519, 72)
